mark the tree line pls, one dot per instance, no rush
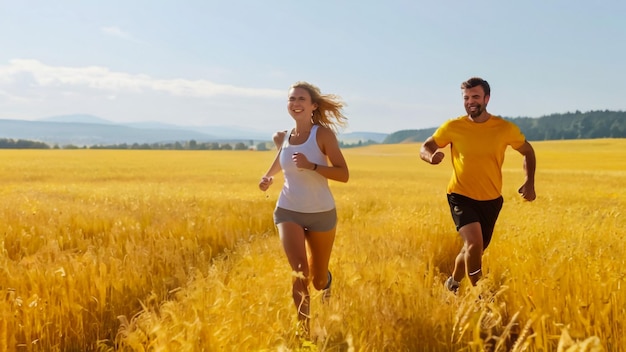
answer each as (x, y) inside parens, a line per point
(7, 143)
(21, 144)
(571, 125)
(189, 145)
(574, 125)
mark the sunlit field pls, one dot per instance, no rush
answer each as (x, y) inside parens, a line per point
(176, 251)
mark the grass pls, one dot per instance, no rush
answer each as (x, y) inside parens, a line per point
(176, 250)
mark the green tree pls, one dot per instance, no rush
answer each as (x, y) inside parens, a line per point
(241, 146)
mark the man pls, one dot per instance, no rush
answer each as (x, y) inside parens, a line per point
(477, 141)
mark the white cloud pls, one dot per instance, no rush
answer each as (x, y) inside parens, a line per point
(31, 89)
(102, 78)
(12, 98)
(116, 32)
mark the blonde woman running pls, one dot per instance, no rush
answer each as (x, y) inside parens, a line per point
(305, 214)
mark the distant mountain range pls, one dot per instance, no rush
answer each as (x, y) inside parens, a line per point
(89, 130)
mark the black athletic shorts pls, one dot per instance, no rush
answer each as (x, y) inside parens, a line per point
(466, 210)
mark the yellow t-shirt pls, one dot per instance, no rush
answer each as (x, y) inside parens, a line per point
(477, 154)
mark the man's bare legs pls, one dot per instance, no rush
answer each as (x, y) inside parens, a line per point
(469, 260)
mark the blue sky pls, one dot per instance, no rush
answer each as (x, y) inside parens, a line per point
(397, 64)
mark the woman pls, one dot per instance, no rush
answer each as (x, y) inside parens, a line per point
(305, 213)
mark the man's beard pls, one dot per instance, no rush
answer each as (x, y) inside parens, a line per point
(479, 110)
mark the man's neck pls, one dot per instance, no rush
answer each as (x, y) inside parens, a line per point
(481, 118)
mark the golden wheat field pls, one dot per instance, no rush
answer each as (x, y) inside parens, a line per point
(176, 251)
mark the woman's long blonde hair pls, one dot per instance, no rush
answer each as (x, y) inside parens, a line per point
(329, 107)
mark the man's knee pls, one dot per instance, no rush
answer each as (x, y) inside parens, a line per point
(473, 247)
(473, 242)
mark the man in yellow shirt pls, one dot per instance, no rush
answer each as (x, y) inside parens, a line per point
(477, 142)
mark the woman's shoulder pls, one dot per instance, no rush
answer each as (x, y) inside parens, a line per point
(326, 136)
(279, 136)
(325, 130)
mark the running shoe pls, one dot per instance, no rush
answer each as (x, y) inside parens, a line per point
(326, 290)
(452, 285)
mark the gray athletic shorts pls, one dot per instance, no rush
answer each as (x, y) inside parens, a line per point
(317, 222)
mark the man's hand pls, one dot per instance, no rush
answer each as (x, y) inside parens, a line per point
(527, 191)
(437, 157)
(429, 152)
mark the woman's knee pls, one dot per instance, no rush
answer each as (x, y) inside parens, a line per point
(319, 283)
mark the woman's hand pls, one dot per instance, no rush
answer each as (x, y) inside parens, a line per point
(301, 161)
(265, 183)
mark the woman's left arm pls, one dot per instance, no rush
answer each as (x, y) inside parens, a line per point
(338, 168)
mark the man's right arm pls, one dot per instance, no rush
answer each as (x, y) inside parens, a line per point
(429, 152)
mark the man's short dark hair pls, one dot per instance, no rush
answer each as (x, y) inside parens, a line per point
(475, 82)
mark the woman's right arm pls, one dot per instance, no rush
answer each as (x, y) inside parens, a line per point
(268, 179)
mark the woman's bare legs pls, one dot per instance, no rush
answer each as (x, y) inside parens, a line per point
(308, 254)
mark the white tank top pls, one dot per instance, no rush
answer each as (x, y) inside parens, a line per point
(304, 191)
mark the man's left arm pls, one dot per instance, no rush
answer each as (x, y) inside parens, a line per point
(530, 163)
